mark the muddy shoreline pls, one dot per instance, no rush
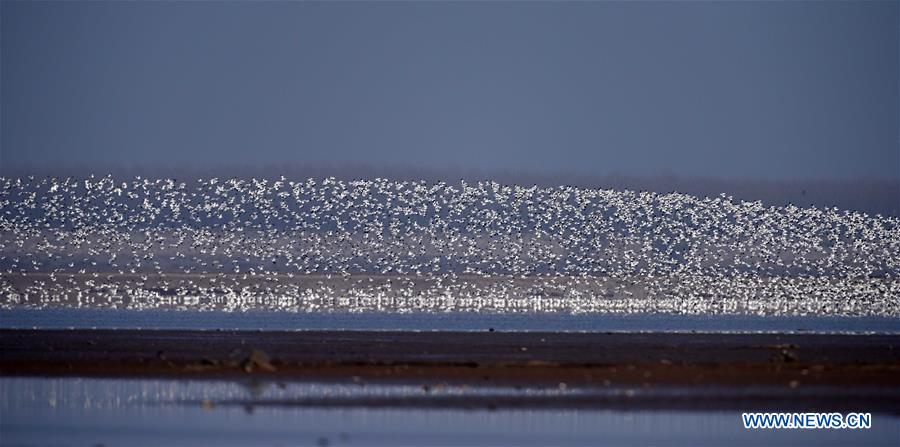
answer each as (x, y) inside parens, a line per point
(660, 371)
(580, 358)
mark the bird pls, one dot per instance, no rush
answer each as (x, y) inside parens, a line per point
(482, 246)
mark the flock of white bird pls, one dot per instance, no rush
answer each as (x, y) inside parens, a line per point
(411, 246)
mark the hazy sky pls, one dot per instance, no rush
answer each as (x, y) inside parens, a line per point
(760, 90)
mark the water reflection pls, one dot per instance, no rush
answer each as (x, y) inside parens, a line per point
(80, 411)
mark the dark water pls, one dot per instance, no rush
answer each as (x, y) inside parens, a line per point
(89, 412)
(79, 318)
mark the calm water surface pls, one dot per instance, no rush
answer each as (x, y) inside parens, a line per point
(90, 412)
(79, 318)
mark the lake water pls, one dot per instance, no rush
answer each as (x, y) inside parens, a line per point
(90, 412)
(80, 318)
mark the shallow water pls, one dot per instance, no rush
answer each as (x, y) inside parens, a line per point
(78, 411)
(82, 318)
